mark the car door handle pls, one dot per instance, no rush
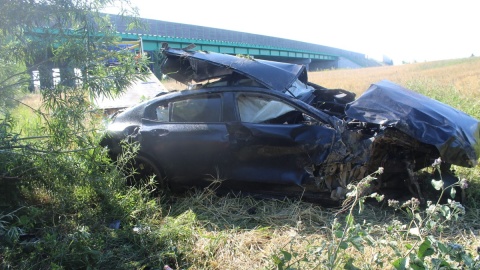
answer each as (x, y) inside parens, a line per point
(160, 132)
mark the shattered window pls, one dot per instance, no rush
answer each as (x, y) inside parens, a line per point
(199, 109)
(162, 113)
(260, 109)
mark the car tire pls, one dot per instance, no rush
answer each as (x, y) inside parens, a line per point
(144, 168)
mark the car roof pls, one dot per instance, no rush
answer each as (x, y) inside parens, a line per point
(187, 66)
(221, 89)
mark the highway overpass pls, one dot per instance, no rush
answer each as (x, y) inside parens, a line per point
(178, 35)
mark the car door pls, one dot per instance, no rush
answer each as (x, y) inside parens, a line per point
(186, 137)
(274, 141)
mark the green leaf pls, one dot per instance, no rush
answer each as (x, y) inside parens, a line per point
(467, 259)
(453, 192)
(338, 233)
(343, 245)
(425, 249)
(445, 210)
(431, 224)
(417, 264)
(287, 256)
(276, 260)
(441, 264)
(357, 242)
(400, 263)
(438, 185)
(349, 219)
(442, 247)
(349, 265)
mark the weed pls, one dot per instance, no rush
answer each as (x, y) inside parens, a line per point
(423, 251)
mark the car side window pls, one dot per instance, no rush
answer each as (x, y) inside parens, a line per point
(200, 109)
(161, 113)
(262, 109)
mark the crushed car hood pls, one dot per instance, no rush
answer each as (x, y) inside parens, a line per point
(455, 134)
(186, 66)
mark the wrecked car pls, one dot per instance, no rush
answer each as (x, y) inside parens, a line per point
(260, 127)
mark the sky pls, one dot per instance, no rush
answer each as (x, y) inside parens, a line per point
(405, 31)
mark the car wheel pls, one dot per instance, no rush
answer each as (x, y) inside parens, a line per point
(142, 169)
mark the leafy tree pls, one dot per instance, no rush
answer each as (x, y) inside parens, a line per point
(74, 37)
(51, 166)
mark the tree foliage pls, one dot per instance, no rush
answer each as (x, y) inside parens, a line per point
(54, 178)
(74, 37)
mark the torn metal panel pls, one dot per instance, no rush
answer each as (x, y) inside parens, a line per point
(330, 101)
(455, 134)
(186, 66)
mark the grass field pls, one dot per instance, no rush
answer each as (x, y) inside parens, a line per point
(206, 231)
(461, 75)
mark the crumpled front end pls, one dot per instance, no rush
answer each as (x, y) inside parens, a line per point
(455, 134)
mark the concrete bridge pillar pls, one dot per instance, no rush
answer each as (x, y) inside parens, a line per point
(45, 73)
(44, 66)
(67, 75)
(322, 65)
(31, 84)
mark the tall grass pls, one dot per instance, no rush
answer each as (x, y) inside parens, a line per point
(461, 74)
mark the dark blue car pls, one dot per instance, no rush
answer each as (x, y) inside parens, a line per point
(260, 127)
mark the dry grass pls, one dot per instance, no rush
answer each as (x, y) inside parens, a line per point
(462, 74)
(228, 234)
(242, 233)
(33, 100)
